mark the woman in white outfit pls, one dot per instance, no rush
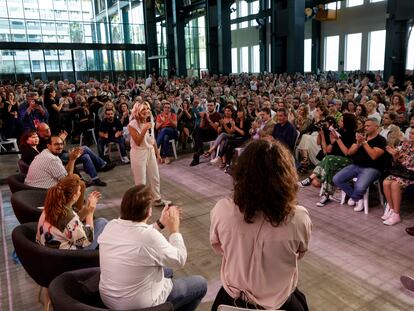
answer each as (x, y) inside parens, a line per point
(144, 151)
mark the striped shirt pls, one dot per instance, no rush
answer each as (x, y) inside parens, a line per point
(45, 171)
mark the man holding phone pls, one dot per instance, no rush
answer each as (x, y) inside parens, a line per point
(33, 112)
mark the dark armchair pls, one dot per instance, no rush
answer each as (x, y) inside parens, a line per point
(25, 205)
(42, 263)
(79, 290)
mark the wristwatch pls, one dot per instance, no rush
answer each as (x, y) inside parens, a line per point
(159, 223)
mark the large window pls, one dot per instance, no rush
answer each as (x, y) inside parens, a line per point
(244, 59)
(255, 59)
(331, 53)
(410, 51)
(308, 55)
(353, 51)
(351, 3)
(234, 58)
(376, 50)
(333, 5)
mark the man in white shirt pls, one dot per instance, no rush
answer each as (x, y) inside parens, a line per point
(133, 256)
(47, 168)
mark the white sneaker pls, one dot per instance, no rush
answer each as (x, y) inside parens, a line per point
(359, 206)
(215, 160)
(125, 159)
(393, 219)
(351, 202)
(387, 212)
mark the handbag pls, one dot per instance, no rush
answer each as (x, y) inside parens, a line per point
(401, 172)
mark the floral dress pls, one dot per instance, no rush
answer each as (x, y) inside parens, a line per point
(70, 233)
(407, 152)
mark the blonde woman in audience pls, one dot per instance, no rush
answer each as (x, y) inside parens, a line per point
(308, 146)
(144, 151)
(60, 226)
(394, 185)
(261, 232)
(372, 112)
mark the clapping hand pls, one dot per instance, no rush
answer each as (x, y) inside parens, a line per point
(93, 199)
(75, 153)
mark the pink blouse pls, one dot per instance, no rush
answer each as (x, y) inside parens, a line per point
(259, 261)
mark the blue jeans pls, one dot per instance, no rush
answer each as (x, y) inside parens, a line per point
(90, 160)
(365, 177)
(187, 292)
(98, 226)
(119, 140)
(163, 139)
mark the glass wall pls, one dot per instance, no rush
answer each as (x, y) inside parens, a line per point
(71, 21)
(331, 53)
(195, 46)
(353, 51)
(376, 50)
(307, 55)
(58, 64)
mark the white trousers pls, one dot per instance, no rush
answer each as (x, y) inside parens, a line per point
(144, 168)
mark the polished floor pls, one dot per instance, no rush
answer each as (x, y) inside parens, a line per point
(354, 261)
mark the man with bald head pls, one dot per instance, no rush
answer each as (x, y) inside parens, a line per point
(90, 160)
(368, 163)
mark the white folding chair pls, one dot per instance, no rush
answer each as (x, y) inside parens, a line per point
(366, 195)
(9, 141)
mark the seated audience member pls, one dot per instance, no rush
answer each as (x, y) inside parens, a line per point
(166, 125)
(333, 109)
(360, 111)
(28, 146)
(408, 130)
(124, 113)
(226, 130)
(90, 160)
(263, 125)
(336, 157)
(397, 104)
(185, 119)
(308, 146)
(110, 130)
(284, 131)
(60, 226)
(54, 108)
(388, 126)
(208, 130)
(12, 125)
(242, 126)
(394, 184)
(372, 110)
(47, 168)
(261, 232)
(134, 257)
(303, 120)
(33, 112)
(368, 164)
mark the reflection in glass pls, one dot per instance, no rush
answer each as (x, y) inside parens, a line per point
(80, 60)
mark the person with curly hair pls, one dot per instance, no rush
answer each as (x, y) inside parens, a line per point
(261, 232)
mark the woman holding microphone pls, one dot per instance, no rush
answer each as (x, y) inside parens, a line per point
(144, 151)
